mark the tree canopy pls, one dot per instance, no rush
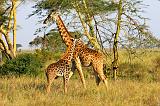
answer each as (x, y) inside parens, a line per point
(106, 24)
(100, 17)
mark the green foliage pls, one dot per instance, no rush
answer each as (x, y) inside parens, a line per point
(36, 41)
(32, 64)
(50, 4)
(24, 64)
(134, 71)
(52, 41)
(95, 6)
(3, 9)
(45, 55)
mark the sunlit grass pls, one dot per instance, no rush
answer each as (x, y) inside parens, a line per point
(126, 91)
(25, 91)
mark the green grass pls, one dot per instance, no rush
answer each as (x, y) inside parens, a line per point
(26, 91)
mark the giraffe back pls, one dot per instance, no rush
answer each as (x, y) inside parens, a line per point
(87, 55)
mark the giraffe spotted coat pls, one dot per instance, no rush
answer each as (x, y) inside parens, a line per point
(61, 68)
(83, 55)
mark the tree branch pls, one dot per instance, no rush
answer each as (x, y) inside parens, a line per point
(93, 40)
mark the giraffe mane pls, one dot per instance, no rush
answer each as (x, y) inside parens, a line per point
(64, 26)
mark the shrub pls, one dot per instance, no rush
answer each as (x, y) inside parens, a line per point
(23, 64)
(46, 55)
(135, 71)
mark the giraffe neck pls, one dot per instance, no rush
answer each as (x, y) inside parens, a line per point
(65, 35)
(69, 53)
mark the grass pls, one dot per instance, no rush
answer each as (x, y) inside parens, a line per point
(26, 91)
(138, 85)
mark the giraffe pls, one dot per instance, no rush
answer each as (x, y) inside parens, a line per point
(61, 68)
(83, 55)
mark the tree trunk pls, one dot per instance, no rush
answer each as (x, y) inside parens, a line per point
(115, 45)
(6, 46)
(0, 50)
(14, 27)
(89, 34)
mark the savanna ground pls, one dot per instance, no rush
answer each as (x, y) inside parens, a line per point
(140, 88)
(26, 91)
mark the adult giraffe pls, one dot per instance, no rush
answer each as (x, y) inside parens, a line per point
(82, 54)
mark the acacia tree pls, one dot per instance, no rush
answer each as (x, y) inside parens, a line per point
(8, 24)
(82, 12)
(51, 41)
(115, 43)
(5, 29)
(114, 23)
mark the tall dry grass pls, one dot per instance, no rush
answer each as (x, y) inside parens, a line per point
(138, 85)
(26, 91)
(143, 66)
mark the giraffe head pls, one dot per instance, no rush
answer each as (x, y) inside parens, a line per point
(65, 35)
(51, 17)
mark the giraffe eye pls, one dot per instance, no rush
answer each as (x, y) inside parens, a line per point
(72, 39)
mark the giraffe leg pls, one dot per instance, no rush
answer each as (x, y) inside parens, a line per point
(49, 82)
(98, 80)
(104, 79)
(99, 70)
(73, 68)
(65, 81)
(79, 67)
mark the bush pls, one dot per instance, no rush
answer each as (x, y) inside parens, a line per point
(23, 64)
(46, 55)
(135, 71)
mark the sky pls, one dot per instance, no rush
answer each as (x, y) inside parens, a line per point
(25, 32)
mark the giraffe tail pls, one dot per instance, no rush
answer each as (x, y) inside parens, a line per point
(104, 69)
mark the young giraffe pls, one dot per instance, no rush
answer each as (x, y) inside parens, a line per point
(82, 54)
(61, 68)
